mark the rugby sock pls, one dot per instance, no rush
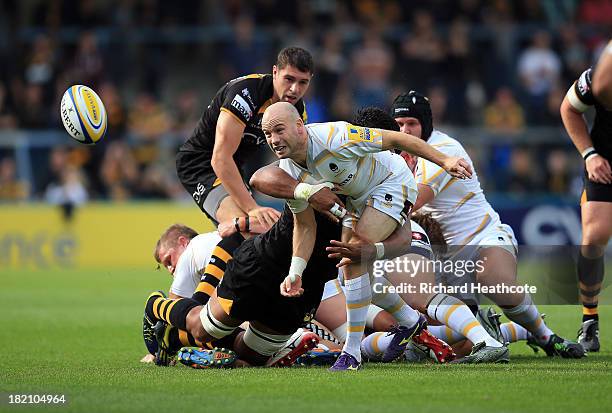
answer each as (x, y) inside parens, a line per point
(180, 338)
(324, 333)
(393, 303)
(214, 270)
(446, 334)
(172, 311)
(454, 313)
(340, 333)
(374, 345)
(527, 315)
(512, 332)
(590, 277)
(358, 297)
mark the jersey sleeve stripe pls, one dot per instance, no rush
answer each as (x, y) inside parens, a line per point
(449, 183)
(575, 101)
(434, 176)
(233, 115)
(221, 254)
(215, 271)
(463, 200)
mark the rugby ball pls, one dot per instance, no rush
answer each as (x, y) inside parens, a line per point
(83, 114)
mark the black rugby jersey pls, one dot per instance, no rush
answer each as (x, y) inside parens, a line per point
(276, 248)
(246, 98)
(601, 132)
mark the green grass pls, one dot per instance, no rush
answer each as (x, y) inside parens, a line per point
(78, 333)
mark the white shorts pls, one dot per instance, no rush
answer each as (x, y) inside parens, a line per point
(498, 236)
(390, 197)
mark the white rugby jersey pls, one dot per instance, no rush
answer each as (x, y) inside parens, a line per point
(191, 263)
(459, 205)
(350, 157)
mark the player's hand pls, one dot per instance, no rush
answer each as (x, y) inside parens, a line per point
(458, 167)
(328, 204)
(266, 216)
(225, 229)
(351, 253)
(149, 358)
(292, 289)
(598, 169)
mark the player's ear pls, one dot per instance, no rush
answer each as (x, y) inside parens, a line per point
(183, 240)
(274, 71)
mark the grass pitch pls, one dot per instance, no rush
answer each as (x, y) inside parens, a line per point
(77, 333)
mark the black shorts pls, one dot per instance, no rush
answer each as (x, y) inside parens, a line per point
(594, 191)
(253, 287)
(199, 179)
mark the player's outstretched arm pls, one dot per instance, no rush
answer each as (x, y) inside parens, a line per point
(455, 166)
(273, 181)
(598, 168)
(227, 139)
(602, 78)
(304, 237)
(396, 245)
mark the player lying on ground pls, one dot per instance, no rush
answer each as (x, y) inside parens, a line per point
(357, 161)
(250, 292)
(470, 226)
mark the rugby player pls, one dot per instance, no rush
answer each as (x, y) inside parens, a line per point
(211, 163)
(596, 202)
(380, 191)
(470, 225)
(602, 78)
(249, 292)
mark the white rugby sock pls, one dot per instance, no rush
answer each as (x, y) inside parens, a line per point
(454, 313)
(393, 303)
(358, 298)
(446, 334)
(513, 332)
(527, 315)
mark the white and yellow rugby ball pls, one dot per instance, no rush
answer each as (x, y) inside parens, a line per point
(83, 114)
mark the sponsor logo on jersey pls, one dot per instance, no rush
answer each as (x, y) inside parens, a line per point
(346, 180)
(333, 167)
(388, 198)
(247, 94)
(359, 134)
(583, 83)
(417, 236)
(242, 106)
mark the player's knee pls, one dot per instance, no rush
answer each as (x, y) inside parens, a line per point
(265, 344)
(594, 238)
(211, 326)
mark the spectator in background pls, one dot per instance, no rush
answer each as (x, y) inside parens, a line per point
(438, 100)
(69, 191)
(117, 117)
(186, 112)
(524, 176)
(459, 58)
(574, 54)
(331, 65)
(119, 172)
(7, 117)
(372, 63)
(422, 50)
(504, 114)
(40, 68)
(32, 111)
(558, 173)
(552, 116)
(243, 53)
(148, 120)
(539, 70)
(88, 64)
(11, 188)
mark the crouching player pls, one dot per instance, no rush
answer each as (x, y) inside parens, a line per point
(249, 292)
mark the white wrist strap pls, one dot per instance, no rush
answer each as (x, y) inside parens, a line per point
(380, 250)
(298, 265)
(304, 191)
(587, 150)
